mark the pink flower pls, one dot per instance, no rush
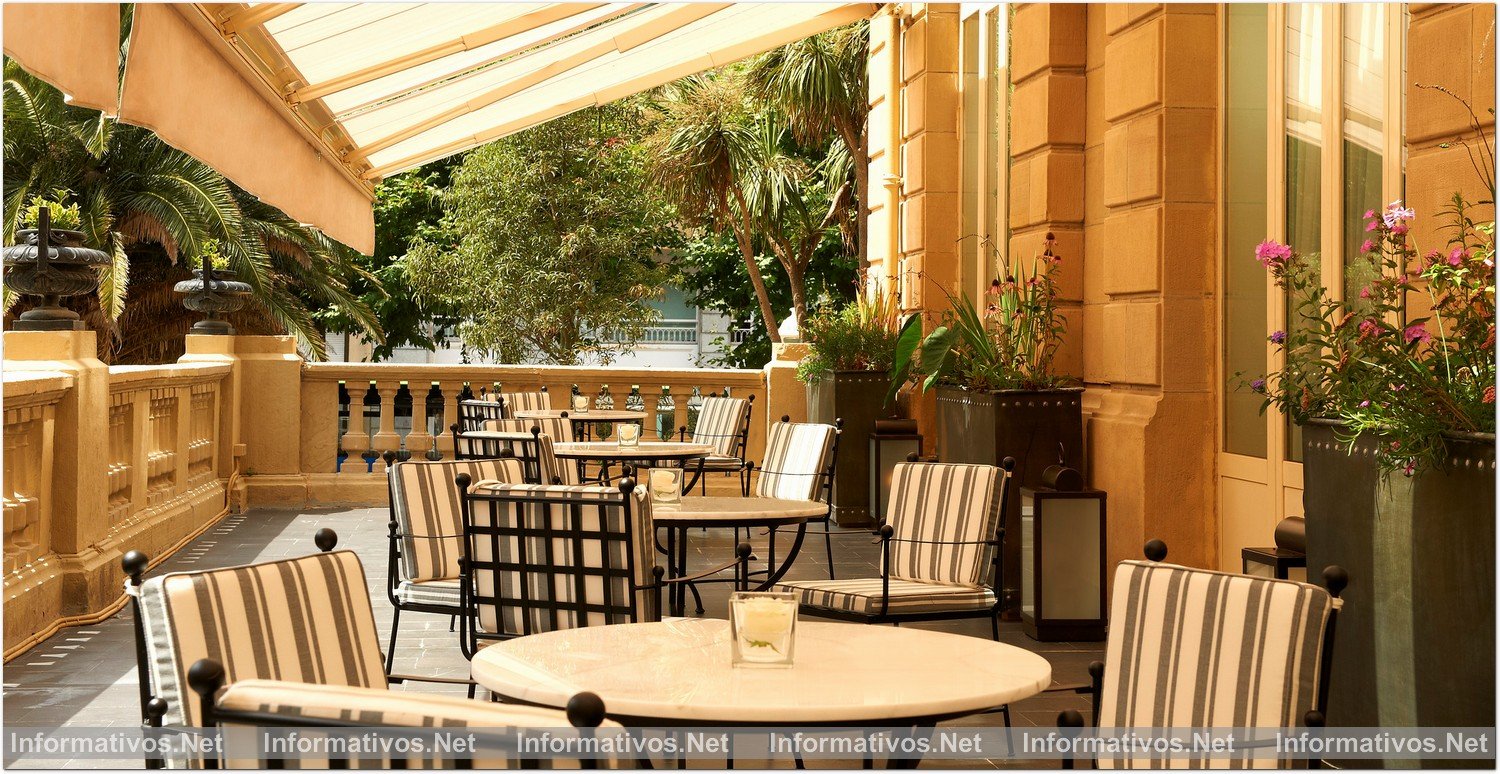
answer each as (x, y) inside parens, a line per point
(1271, 253)
(1416, 333)
(1433, 257)
(1371, 213)
(1364, 292)
(1368, 246)
(1458, 256)
(1368, 329)
(1398, 229)
(1373, 225)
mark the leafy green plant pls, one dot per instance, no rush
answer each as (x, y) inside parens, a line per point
(859, 336)
(1009, 346)
(1366, 363)
(61, 216)
(209, 248)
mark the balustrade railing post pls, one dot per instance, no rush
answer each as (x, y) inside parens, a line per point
(182, 409)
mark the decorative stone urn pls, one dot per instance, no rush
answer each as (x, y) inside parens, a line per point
(213, 292)
(52, 264)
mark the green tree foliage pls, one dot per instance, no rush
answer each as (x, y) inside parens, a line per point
(556, 234)
(153, 208)
(408, 209)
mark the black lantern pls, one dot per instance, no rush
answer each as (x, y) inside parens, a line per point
(1062, 559)
(892, 442)
(54, 264)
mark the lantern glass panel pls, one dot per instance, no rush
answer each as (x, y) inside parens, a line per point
(1028, 541)
(1070, 560)
(885, 453)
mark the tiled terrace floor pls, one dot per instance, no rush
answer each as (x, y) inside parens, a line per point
(86, 675)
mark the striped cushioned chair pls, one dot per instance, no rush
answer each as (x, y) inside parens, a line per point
(529, 440)
(724, 423)
(540, 558)
(1200, 648)
(427, 530)
(307, 619)
(279, 703)
(799, 465)
(472, 414)
(941, 533)
(525, 401)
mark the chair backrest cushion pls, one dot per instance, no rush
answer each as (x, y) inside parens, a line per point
(525, 401)
(585, 555)
(424, 503)
(797, 456)
(559, 428)
(1191, 647)
(306, 619)
(951, 503)
(721, 422)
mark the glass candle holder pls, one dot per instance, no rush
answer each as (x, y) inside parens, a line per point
(666, 485)
(763, 628)
(580, 404)
(630, 434)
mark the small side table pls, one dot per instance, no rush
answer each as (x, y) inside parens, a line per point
(1280, 560)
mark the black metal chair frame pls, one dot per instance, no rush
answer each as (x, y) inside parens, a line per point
(206, 678)
(527, 450)
(1335, 580)
(154, 708)
(740, 450)
(472, 414)
(526, 568)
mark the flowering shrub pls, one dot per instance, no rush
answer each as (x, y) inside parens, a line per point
(1010, 345)
(1367, 363)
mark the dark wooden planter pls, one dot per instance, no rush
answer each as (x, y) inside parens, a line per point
(1038, 428)
(855, 397)
(1415, 644)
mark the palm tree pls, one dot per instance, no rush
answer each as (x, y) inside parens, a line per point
(820, 84)
(704, 151)
(141, 200)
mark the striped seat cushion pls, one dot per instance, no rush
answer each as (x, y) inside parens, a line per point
(424, 503)
(720, 423)
(306, 619)
(559, 428)
(525, 401)
(1191, 647)
(715, 462)
(443, 593)
(377, 707)
(597, 573)
(944, 505)
(796, 458)
(863, 596)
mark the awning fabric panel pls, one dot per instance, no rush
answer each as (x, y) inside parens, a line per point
(179, 86)
(73, 46)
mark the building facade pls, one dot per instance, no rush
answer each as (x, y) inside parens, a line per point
(1159, 143)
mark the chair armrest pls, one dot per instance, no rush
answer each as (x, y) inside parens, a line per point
(706, 573)
(401, 678)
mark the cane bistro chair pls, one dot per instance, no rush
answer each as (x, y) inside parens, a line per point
(1200, 648)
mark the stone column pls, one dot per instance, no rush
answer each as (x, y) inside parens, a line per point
(80, 505)
(1151, 222)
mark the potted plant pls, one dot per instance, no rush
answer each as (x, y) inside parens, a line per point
(1394, 387)
(214, 291)
(850, 351)
(997, 393)
(66, 268)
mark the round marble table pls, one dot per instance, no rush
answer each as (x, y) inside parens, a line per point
(583, 424)
(643, 452)
(676, 672)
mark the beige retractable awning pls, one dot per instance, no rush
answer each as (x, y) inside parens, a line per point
(73, 46)
(308, 105)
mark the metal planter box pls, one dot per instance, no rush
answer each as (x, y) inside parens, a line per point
(1415, 644)
(1037, 427)
(856, 397)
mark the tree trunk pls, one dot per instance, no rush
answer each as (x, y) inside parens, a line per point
(747, 251)
(858, 143)
(796, 275)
